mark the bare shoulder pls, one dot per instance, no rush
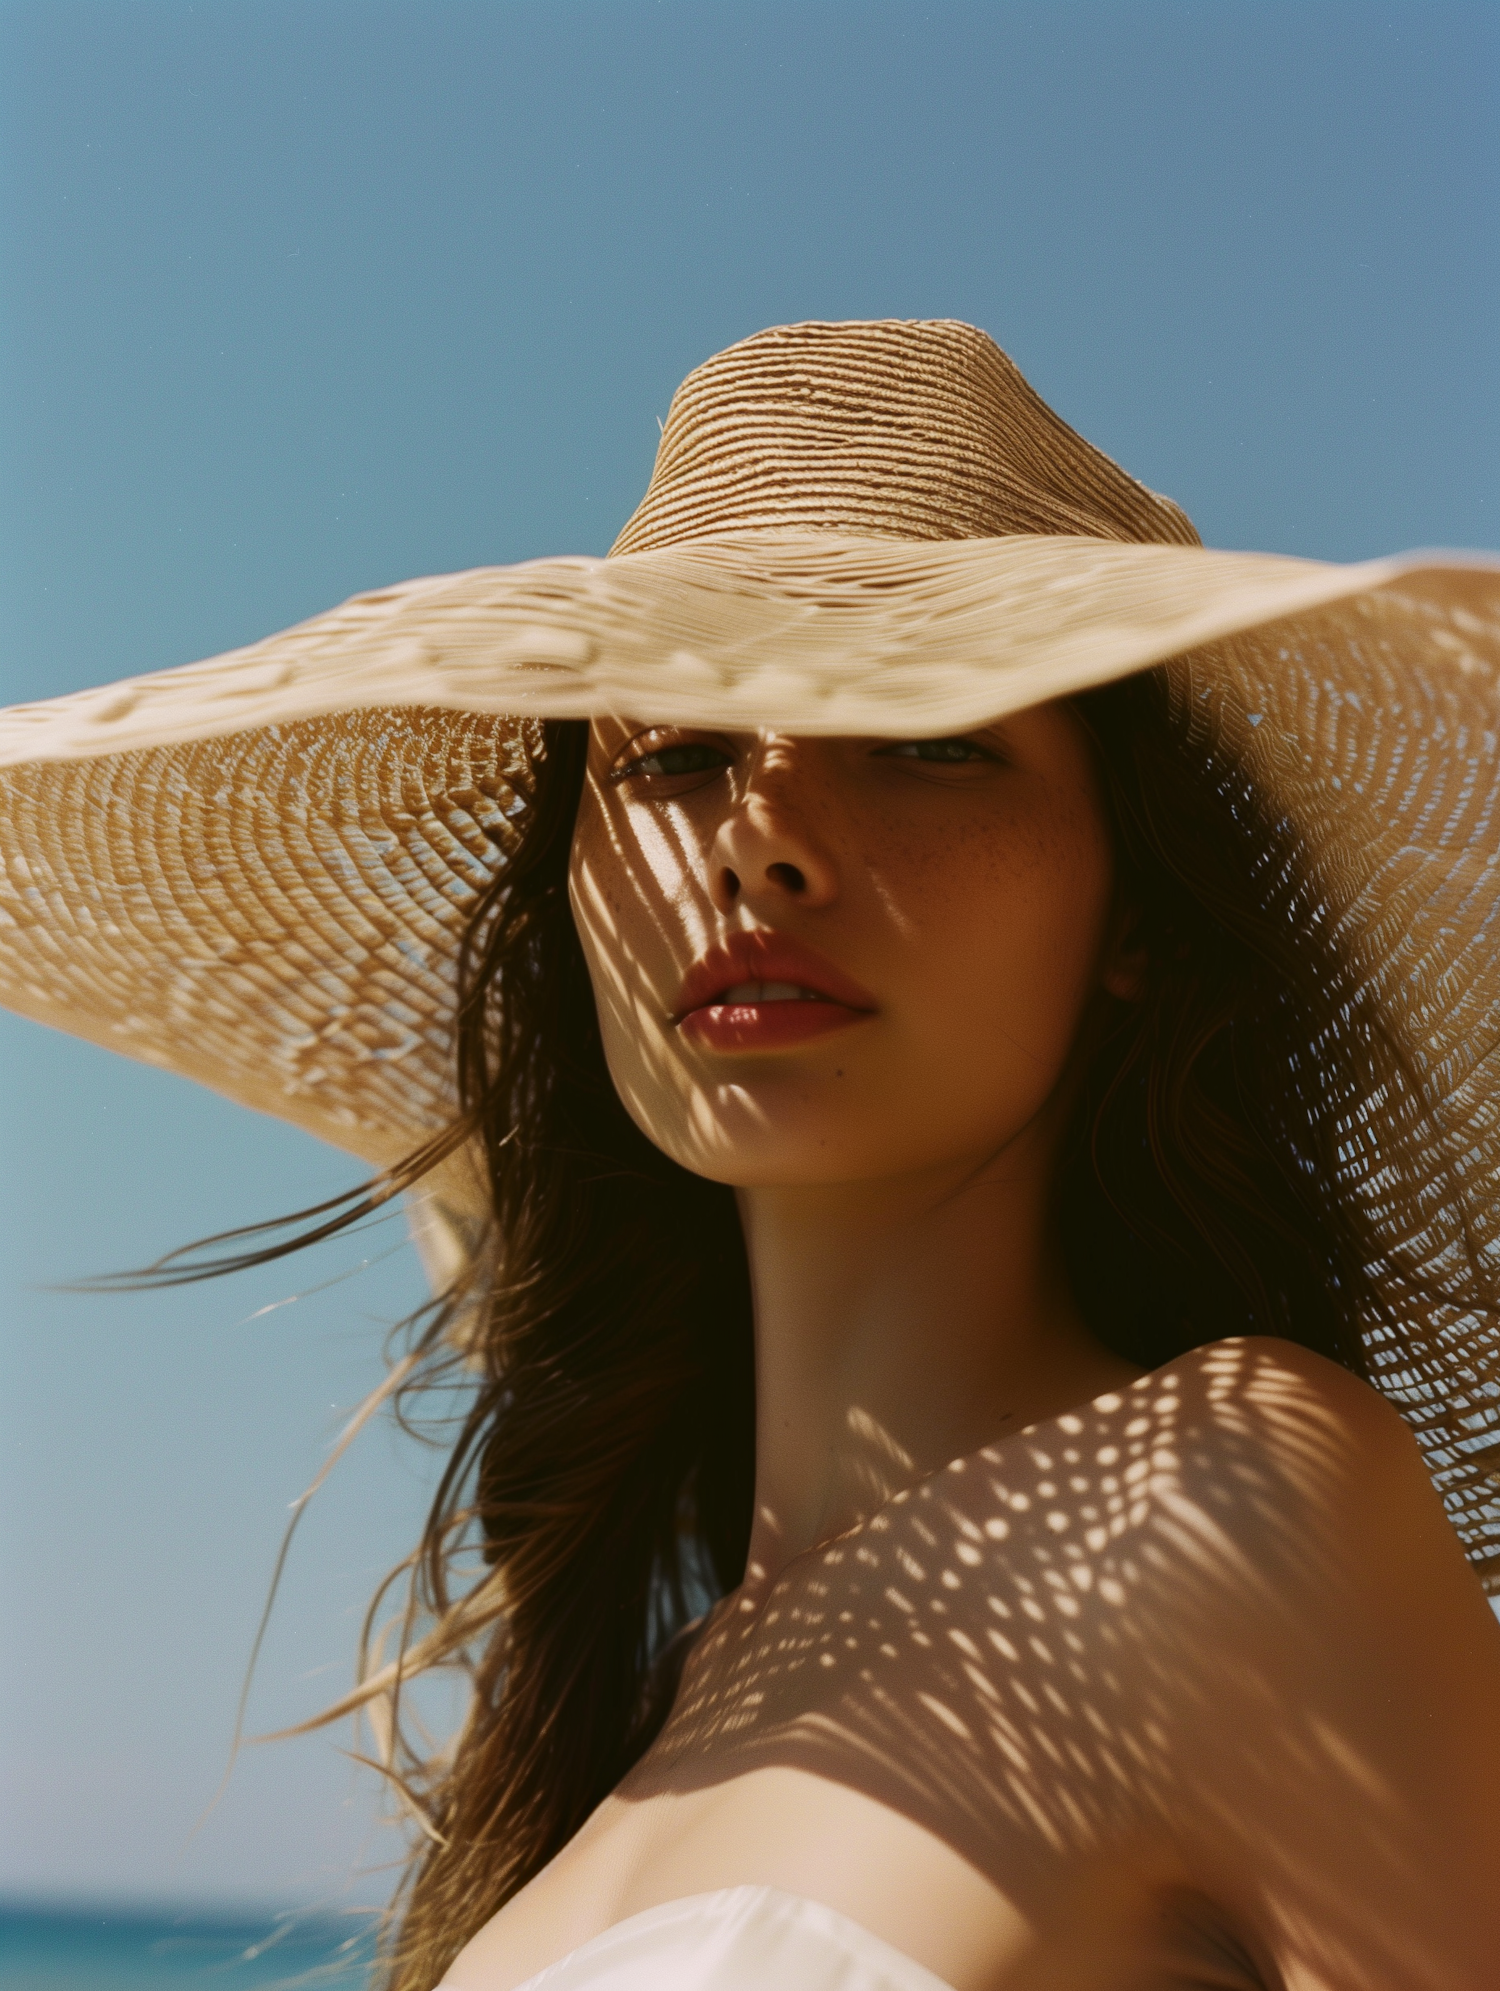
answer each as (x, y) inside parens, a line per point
(1311, 1427)
(1234, 1583)
(1249, 1479)
(1285, 1449)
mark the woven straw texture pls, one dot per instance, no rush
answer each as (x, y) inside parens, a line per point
(255, 871)
(826, 427)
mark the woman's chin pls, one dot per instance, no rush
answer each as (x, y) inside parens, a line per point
(750, 1141)
(825, 1116)
(759, 1136)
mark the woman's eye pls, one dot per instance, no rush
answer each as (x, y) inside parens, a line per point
(943, 752)
(690, 757)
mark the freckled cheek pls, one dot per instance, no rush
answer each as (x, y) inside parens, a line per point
(1003, 950)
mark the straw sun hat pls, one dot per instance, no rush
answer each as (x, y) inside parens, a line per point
(255, 870)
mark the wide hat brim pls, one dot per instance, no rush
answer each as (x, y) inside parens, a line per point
(255, 871)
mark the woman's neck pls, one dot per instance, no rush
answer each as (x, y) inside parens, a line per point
(901, 1324)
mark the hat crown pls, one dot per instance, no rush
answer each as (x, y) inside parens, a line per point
(906, 429)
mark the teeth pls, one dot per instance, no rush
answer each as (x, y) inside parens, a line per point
(749, 992)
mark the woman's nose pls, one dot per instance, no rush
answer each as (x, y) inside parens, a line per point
(766, 854)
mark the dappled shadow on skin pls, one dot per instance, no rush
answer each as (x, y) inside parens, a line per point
(660, 874)
(1103, 1638)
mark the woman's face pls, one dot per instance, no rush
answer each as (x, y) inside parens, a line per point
(830, 960)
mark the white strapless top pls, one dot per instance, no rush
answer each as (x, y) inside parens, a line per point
(739, 1939)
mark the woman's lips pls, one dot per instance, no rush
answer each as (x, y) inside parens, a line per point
(767, 1016)
(761, 991)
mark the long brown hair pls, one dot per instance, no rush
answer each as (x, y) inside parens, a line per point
(599, 1490)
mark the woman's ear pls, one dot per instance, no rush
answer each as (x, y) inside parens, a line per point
(1126, 957)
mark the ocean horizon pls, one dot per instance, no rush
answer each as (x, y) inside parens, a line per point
(115, 1947)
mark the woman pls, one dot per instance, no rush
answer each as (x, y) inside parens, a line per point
(965, 1070)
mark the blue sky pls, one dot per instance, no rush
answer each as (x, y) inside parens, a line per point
(298, 299)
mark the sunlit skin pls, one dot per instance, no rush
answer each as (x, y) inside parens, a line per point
(893, 1174)
(1055, 1676)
